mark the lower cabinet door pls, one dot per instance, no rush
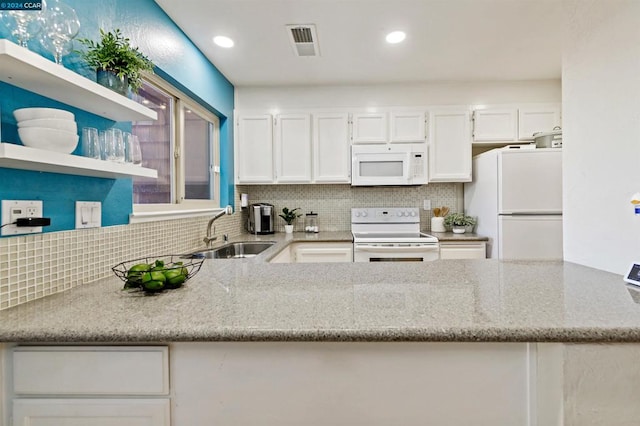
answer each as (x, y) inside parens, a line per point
(91, 412)
(324, 253)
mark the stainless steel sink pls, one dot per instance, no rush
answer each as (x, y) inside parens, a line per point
(237, 250)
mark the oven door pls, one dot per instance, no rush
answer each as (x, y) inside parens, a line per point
(395, 252)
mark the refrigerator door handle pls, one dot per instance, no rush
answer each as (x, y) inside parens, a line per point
(553, 213)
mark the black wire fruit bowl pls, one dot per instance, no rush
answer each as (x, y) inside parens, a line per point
(158, 273)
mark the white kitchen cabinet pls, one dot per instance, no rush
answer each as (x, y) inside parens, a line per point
(514, 123)
(331, 148)
(361, 383)
(450, 145)
(254, 149)
(91, 412)
(463, 250)
(90, 385)
(370, 127)
(495, 124)
(395, 127)
(407, 126)
(315, 252)
(293, 148)
(322, 252)
(533, 119)
(283, 256)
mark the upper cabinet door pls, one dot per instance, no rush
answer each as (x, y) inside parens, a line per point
(450, 145)
(495, 124)
(293, 148)
(533, 119)
(331, 153)
(408, 126)
(370, 127)
(254, 149)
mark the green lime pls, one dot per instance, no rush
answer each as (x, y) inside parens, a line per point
(174, 278)
(135, 277)
(140, 267)
(136, 270)
(170, 273)
(157, 276)
(153, 285)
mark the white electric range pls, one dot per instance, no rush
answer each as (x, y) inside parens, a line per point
(391, 234)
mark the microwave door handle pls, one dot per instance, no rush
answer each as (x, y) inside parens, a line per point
(407, 168)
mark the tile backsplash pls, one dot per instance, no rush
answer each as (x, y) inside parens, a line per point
(333, 203)
(35, 266)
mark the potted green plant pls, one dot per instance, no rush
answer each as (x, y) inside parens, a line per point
(459, 222)
(289, 216)
(119, 66)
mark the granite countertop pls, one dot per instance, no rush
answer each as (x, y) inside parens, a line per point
(450, 236)
(253, 300)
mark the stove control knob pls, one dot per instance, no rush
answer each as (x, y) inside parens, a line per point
(400, 214)
(413, 214)
(357, 214)
(364, 214)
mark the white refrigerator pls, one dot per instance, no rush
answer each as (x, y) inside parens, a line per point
(516, 194)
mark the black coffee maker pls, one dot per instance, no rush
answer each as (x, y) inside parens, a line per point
(261, 218)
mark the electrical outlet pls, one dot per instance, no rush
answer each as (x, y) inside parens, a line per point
(13, 210)
(427, 205)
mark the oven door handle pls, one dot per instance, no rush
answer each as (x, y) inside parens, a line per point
(396, 249)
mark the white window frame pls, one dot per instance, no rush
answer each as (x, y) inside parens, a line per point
(182, 207)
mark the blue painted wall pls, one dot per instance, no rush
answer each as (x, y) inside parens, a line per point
(177, 60)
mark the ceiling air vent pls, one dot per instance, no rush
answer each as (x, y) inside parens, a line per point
(304, 40)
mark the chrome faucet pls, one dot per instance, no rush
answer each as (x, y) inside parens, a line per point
(209, 238)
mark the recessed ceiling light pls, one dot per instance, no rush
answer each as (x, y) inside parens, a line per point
(223, 41)
(395, 37)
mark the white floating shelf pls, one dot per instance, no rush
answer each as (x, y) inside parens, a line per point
(14, 156)
(30, 71)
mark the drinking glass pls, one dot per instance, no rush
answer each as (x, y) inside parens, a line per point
(90, 143)
(118, 144)
(24, 23)
(113, 145)
(132, 151)
(136, 151)
(61, 25)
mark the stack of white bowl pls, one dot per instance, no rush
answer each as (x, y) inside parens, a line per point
(47, 128)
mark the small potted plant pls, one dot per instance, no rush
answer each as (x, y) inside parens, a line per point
(459, 222)
(118, 65)
(289, 216)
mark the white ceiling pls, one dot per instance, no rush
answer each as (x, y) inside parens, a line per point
(447, 40)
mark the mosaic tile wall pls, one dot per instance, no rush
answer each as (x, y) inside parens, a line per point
(333, 203)
(35, 266)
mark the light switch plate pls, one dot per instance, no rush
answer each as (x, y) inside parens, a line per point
(426, 205)
(88, 214)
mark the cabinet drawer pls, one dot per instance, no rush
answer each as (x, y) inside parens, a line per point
(476, 250)
(91, 370)
(91, 412)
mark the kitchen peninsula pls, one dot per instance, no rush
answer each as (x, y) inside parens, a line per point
(252, 332)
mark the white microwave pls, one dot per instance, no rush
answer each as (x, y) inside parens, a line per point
(389, 164)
